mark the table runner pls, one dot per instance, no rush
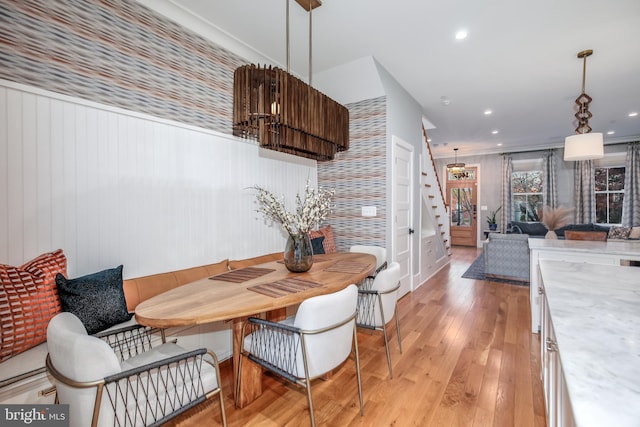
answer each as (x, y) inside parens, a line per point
(283, 287)
(242, 274)
(347, 267)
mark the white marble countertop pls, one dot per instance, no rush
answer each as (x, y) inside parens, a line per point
(613, 247)
(595, 312)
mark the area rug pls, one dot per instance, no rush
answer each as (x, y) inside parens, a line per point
(476, 271)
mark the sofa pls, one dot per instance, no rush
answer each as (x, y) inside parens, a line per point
(538, 229)
(506, 256)
(23, 376)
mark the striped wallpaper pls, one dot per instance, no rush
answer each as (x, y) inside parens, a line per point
(119, 53)
(359, 176)
(122, 54)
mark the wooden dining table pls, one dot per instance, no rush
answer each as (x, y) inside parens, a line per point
(238, 294)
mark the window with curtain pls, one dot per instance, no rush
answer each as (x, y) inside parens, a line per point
(526, 195)
(609, 191)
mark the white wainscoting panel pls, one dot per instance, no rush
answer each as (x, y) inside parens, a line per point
(113, 187)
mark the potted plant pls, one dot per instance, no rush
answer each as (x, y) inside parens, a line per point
(491, 219)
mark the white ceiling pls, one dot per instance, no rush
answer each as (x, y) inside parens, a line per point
(519, 60)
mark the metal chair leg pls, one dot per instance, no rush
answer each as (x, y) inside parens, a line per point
(313, 419)
(238, 381)
(386, 347)
(355, 345)
(398, 329)
(216, 366)
(307, 381)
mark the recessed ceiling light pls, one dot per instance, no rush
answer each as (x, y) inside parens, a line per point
(487, 112)
(499, 144)
(494, 132)
(611, 132)
(461, 35)
(428, 139)
(635, 113)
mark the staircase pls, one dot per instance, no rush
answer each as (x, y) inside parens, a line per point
(435, 247)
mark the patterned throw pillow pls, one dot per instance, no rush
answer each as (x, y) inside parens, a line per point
(317, 245)
(97, 299)
(28, 300)
(329, 244)
(619, 233)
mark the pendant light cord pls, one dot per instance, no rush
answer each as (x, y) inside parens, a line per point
(584, 72)
(288, 55)
(310, 41)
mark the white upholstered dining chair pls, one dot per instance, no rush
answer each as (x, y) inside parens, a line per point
(318, 339)
(378, 305)
(129, 384)
(381, 261)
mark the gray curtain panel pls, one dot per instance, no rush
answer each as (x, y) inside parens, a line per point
(505, 213)
(584, 198)
(549, 189)
(631, 201)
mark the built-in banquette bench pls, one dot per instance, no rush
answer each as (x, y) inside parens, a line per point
(29, 298)
(23, 377)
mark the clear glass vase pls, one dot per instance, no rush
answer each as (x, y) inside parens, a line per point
(298, 253)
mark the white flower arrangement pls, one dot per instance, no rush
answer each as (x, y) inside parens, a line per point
(309, 212)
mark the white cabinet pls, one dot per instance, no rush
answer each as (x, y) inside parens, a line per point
(556, 395)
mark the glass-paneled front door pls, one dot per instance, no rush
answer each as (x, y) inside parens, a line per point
(462, 200)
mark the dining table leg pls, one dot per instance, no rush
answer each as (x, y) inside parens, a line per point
(251, 377)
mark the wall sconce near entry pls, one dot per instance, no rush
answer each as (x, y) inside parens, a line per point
(584, 145)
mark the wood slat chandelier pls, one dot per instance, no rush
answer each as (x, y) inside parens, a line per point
(285, 114)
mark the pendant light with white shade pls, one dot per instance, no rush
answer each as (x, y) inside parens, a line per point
(585, 145)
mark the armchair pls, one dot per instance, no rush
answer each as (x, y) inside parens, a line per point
(381, 261)
(507, 256)
(379, 304)
(317, 340)
(129, 384)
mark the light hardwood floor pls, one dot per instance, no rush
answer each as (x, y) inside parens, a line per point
(468, 360)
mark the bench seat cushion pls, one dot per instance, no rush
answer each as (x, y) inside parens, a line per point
(142, 288)
(248, 262)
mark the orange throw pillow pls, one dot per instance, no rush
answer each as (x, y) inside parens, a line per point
(28, 300)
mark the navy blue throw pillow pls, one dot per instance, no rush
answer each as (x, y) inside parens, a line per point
(316, 245)
(96, 299)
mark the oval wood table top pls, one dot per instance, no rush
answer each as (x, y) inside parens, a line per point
(251, 290)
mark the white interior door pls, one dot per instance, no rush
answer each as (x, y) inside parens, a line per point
(402, 201)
